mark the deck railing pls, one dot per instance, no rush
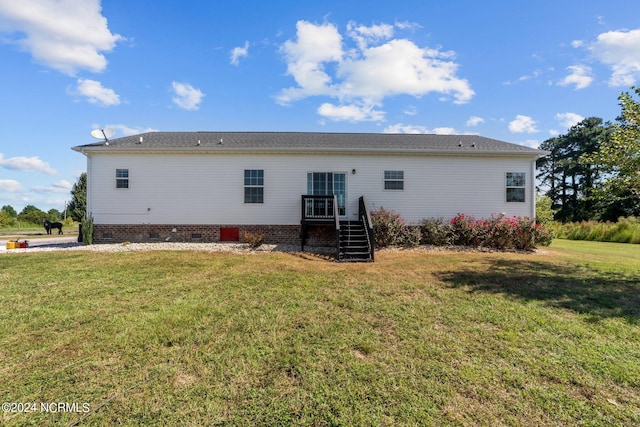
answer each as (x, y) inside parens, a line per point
(318, 208)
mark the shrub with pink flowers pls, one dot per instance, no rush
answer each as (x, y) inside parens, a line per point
(497, 232)
(389, 229)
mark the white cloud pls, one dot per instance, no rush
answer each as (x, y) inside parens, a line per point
(186, 96)
(577, 43)
(569, 119)
(532, 143)
(444, 131)
(523, 124)
(239, 52)
(535, 74)
(367, 73)
(363, 35)
(400, 128)
(580, 76)
(62, 186)
(401, 67)
(474, 121)
(411, 110)
(413, 129)
(27, 164)
(351, 113)
(96, 93)
(10, 186)
(621, 51)
(126, 130)
(406, 25)
(305, 58)
(66, 35)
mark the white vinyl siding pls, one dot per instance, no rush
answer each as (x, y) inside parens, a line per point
(207, 188)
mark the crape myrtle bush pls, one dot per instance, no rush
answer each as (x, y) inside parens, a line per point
(436, 231)
(498, 232)
(389, 229)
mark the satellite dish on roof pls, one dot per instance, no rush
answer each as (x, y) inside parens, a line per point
(105, 133)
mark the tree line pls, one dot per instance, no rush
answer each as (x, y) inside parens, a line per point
(593, 171)
(75, 209)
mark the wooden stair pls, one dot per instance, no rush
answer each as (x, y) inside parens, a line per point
(354, 245)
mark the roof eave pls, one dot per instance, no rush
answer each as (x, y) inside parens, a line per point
(308, 150)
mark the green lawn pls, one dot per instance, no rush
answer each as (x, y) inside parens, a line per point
(416, 338)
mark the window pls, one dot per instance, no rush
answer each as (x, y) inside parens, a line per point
(515, 186)
(254, 186)
(122, 178)
(394, 180)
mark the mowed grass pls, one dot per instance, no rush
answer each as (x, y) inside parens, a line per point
(416, 338)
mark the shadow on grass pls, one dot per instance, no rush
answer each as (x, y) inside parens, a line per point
(581, 290)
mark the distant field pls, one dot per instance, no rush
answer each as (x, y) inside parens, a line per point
(416, 338)
(33, 231)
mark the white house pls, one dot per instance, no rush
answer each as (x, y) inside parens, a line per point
(211, 186)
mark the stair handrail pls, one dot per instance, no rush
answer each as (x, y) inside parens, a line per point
(363, 213)
(336, 217)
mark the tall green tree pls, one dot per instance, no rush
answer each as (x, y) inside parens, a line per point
(54, 215)
(9, 211)
(78, 206)
(31, 215)
(620, 156)
(569, 173)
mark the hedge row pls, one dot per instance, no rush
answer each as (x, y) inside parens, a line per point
(498, 232)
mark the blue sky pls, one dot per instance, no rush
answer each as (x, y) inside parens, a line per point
(517, 71)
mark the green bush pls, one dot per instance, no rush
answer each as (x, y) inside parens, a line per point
(543, 235)
(411, 236)
(7, 221)
(436, 231)
(388, 227)
(544, 211)
(87, 230)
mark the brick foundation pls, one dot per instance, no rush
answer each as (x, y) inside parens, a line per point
(208, 233)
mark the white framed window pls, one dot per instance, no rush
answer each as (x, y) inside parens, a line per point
(122, 178)
(394, 180)
(516, 186)
(254, 186)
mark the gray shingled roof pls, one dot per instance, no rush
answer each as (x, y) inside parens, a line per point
(309, 142)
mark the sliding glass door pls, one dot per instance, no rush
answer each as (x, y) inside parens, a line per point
(329, 184)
